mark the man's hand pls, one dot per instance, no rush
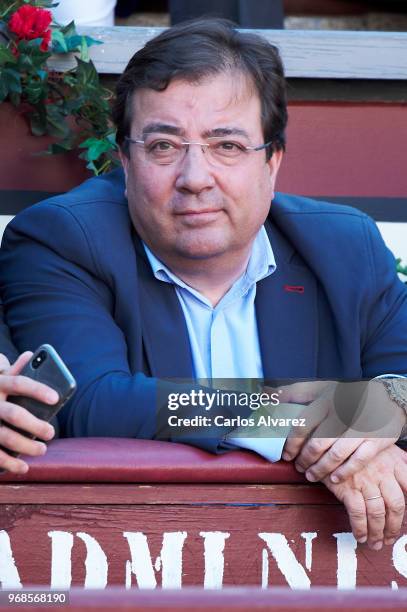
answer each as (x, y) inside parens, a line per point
(318, 453)
(13, 384)
(374, 498)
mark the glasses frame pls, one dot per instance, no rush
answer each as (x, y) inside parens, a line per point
(204, 146)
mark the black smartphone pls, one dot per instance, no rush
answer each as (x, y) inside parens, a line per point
(47, 367)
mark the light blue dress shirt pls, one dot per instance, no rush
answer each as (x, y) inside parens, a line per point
(224, 339)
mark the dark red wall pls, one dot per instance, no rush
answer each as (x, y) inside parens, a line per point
(346, 149)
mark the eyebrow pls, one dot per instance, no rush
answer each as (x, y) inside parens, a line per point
(165, 128)
(225, 131)
(162, 128)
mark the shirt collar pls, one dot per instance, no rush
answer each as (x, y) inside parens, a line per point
(262, 263)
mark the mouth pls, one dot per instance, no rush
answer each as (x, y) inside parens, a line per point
(199, 217)
(199, 211)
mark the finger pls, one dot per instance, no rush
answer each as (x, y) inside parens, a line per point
(400, 469)
(20, 363)
(335, 452)
(313, 414)
(395, 505)
(376, 516)
(18, 443)
(17, 416)
(4, 363)
(364, 452)
(302, 392)
(12, 464)
(21, 385)
(356, 508)
(311, 455)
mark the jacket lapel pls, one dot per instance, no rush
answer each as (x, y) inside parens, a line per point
(164, 331)
(287, 314)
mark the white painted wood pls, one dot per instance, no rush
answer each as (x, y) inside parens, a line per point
(4, 220)
(306, 54)
(395, 236)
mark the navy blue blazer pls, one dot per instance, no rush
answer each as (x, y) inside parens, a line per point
(74, 275)
(6, 346)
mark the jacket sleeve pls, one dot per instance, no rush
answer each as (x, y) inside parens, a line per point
(50, 297)
(6, 346)
(54, 293)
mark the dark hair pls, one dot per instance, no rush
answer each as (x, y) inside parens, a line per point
(200, 48)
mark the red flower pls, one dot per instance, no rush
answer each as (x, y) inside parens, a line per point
(31, 22)
(46, 39)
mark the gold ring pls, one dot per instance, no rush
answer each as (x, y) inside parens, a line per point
(374, 497)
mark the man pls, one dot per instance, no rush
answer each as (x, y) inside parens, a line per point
(12, 414)
(182, 269)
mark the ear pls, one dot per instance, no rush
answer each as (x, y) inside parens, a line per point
(125, 161)
(274, 166)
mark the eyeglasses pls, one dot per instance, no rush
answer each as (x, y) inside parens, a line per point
(219, 150)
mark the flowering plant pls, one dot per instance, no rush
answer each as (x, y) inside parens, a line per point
(73, 107)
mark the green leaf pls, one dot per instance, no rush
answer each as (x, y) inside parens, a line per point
(69, 30)
(30, 45)
(31, 49)
(3, 89)
(84, 50)
(35, 91)
(6, 56)
(95, 148)
(91, 166)
(44, 3)
(42, 74)
(25, 63)
(38, 124)
(76, 42)
(12, 79)
(86, 74)
(92, 41)
(59, 44)
(60, 147)
(400, 268)
(15, 98)
(112, 139)
(56, 124)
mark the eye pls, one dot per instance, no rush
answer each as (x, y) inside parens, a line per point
(161, 146)
(228, 148)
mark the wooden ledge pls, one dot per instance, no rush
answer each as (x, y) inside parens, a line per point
(122, 460)
(306, 53)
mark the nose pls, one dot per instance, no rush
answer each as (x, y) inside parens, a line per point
(194, 172)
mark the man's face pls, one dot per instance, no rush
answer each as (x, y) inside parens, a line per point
(195, 209)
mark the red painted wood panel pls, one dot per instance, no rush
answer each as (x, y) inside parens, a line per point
(165, 494)
(346, 150)
(29, 528)
(21, 166)
(195, 532)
